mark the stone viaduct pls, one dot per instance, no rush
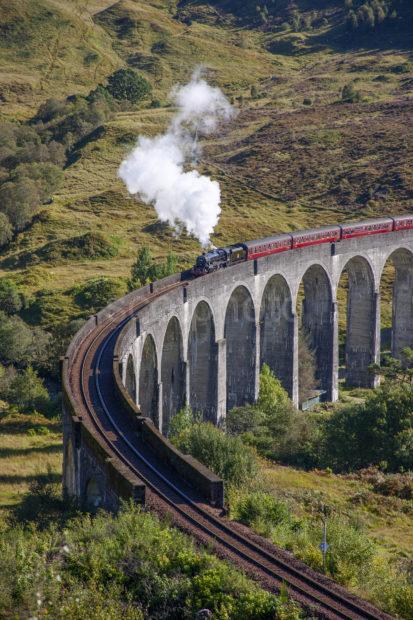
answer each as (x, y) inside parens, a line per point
(204, 344)
(132, 366)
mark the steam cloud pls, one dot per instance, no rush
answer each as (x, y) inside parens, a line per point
(155, 169)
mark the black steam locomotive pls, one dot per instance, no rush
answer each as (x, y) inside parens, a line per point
(250, 250)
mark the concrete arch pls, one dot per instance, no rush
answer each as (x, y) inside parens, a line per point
(130, 378)
(202, 361)
(240, 335)
(172, 373)
(148, 380)
(402, 301)
(93, 495)
(277, 330)
(317, 320)
(363, 323)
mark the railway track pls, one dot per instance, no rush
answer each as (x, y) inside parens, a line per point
(92, 385)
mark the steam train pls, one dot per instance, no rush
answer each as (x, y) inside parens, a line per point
(250, 250)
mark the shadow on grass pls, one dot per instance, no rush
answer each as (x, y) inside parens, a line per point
(52, 478)
(51, 449)
(16, 427)
(43, 505)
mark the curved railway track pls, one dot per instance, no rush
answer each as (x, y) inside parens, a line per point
(92, 385)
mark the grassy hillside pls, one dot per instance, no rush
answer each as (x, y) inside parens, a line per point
(294, 150)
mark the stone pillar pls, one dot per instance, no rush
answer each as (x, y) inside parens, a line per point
(374, 379)
(221, 380)
(333, 392)
(187, 381)
(257, 368)
(160, 406)
(294, 379)
(402, 315)
(363, 330)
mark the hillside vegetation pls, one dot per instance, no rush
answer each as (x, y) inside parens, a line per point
(324, 91)
(298, 147)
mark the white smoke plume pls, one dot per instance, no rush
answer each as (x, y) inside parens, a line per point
(155, 169)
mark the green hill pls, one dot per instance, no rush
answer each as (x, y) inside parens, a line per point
(298, 146)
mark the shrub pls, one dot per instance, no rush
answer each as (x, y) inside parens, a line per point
(50, 109)
(42, 503)
(11, 300)
(262, 509)
(226, 456)
(97, 293)
(47, 177)
(6, 229)
(349, 94)
(91, 246)
(248, 419)
(395, 485)
(19, 344)
(18, 201)
(27, 391)
(380, 432)
(129, 85)
(275, 428)
(182, 422)
(7, 374)
(127, 566)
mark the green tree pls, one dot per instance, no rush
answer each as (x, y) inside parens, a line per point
(126, 84)
(19, 344)
(47, 177)
(27, 391)
(11, 300)
(18, 200)
(395, 370)
(145, 270)
(168, 268)
(380, 432)
(273, 400)
(6, 229)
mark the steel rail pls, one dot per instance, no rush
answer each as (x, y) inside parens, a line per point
(333, 607)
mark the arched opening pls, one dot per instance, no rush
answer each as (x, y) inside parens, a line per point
(358, 325)
(93, 496)
(240, 336)
(396, 288)
(316, 348)
(148, 381)
(202, 359)
(172, 374)
(277, 330)
(130, 379)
